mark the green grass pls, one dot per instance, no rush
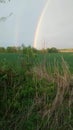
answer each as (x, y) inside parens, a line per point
(15, 60)
(36, 91)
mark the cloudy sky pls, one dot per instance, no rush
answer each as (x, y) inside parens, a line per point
(55, 28)
(22, 20)
(49, 21)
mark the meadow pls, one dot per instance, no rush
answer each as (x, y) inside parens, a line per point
(14, 60)
(36, 91)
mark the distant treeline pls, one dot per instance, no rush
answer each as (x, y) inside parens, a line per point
(23, 49)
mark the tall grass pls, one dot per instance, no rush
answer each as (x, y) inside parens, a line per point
(36, 98)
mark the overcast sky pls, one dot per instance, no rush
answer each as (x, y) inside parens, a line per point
(21, 25)
(56, 28)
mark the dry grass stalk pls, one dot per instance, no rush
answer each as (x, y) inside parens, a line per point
(63, 86)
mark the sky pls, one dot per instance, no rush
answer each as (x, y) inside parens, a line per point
(55, 28)
(20, 26)
(44, 23)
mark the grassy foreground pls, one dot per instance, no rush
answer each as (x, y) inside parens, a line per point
(36, 92)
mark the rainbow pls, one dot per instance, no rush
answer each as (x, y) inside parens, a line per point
(39, 24)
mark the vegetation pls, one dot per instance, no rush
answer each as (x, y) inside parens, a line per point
(24, 49)
(36, 90)
(53, 50)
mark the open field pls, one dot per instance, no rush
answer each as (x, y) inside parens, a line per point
(36, 91)
(13, 60)
(66, 50)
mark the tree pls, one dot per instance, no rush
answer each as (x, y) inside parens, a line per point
(3, 19)
(11, 49)
(4, 1)
(53, 50)
(2, 49)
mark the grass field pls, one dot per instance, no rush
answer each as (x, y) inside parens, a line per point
(36, 91)
(15, 60)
